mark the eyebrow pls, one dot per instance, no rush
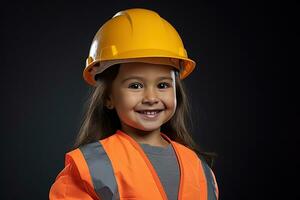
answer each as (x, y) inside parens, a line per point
(142, 78)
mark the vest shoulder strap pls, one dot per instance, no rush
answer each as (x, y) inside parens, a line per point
(95, 170)
(76, 159)
(207, 176)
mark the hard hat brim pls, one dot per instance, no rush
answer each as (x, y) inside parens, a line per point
(153, 56)
(185, 68)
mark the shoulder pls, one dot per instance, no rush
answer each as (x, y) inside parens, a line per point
(84, 154)
(91, 160)
(198, 157)
(187, 154)
(72, 181)
(85, 149)
(203, 157)
(202, 163)
(187, 151)
(184, 149)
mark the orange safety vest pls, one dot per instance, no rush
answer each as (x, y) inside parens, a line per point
(117, 168)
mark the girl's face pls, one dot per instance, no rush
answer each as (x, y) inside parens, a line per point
(144, 96)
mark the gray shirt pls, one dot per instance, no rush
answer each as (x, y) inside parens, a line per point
(165, 162)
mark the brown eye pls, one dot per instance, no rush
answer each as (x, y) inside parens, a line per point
(163, 85)
(135, 86)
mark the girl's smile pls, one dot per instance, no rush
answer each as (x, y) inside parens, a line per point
(149, 114)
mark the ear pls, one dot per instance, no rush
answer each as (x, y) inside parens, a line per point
(109, 103)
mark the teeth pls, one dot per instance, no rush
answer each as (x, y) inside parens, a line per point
(149, 112)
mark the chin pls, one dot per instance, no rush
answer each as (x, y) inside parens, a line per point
(147, 128)
(150, 129)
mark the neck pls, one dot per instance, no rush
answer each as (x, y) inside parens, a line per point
(153, 138)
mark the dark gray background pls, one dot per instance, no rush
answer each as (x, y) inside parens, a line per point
(238, 91)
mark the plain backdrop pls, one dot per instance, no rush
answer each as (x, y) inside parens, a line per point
(238, 91)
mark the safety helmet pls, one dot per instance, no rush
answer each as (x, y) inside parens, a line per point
(136, 35)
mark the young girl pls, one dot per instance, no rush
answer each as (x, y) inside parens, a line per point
(133, 142)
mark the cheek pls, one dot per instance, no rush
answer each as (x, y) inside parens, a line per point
(126, 100)
(170, 100)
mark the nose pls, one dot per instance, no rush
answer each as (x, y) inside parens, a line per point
(150, 97)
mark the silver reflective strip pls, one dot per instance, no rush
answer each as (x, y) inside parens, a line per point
(211, 190)
(101, 171)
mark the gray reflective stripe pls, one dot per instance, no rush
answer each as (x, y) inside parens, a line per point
(101, 171)
(211, 190)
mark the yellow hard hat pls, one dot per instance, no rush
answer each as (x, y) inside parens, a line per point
(136, 35)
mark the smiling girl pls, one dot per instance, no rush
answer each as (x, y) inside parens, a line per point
(133, 142)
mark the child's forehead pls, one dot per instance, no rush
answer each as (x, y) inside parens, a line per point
(145, 68)
(145, 72)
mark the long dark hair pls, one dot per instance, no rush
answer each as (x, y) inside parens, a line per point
(99, 122)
